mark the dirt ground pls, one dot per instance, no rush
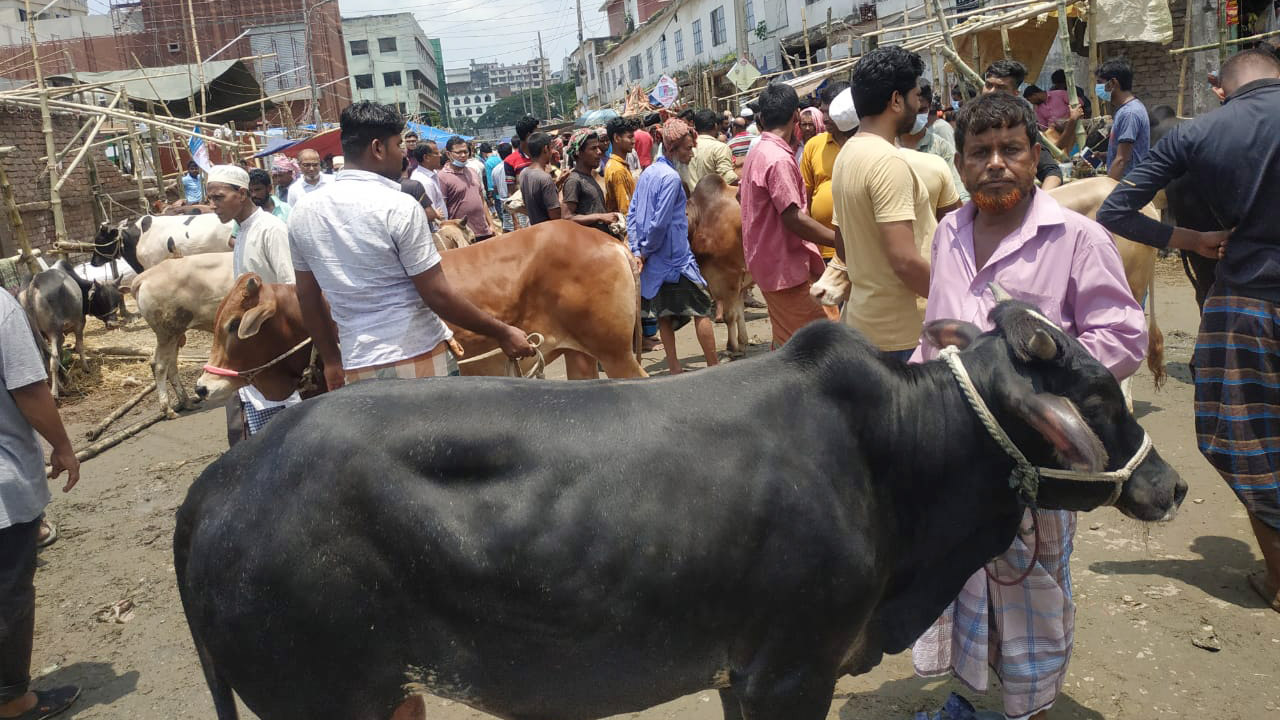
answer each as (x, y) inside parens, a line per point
(1144, 592)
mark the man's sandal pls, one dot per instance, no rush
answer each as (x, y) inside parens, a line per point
(50, 537)
(50, 703)
(1258, 581)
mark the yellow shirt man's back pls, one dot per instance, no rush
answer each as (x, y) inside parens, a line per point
(871, 184)
(619, 184)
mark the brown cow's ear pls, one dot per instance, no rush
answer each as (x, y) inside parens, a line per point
(942, 333)
(1058, 420)
(253, 318)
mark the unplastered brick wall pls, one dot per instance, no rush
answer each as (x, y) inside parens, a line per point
(1155, 71)
(20, 127)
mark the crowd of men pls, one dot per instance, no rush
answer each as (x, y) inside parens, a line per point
(924, 205)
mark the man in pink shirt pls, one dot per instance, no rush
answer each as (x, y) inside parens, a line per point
(644, 140)
(778, 236)
(1066, 265)
(464, 191)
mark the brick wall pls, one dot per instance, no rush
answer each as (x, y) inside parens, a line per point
(30, 180)
(1155, 72)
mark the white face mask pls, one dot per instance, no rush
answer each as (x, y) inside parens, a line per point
(921, 121)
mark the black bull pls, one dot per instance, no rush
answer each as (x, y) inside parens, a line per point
(578, 550)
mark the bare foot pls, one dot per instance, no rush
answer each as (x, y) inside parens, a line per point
(1267, 588)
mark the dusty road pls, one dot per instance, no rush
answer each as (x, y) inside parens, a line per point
(1143, 592)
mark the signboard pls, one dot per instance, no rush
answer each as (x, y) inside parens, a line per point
(665, 92)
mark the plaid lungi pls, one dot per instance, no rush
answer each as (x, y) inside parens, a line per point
(1024, 632)
(1237, 375)
(437, 363)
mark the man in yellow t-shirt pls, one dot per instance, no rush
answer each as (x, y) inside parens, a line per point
(619, 183)
(882, 211)
(710, 155)
(819, 159)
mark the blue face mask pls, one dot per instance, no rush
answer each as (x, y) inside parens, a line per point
(459, 163)
(955, 105)
(921, 120)
(1103, 94)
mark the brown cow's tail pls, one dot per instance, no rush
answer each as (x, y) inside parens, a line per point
(1155, 339)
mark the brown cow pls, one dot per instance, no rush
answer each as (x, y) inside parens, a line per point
(715, 236)
(573, 285)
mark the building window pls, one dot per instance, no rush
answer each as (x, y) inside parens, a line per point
(391, 79)
(488, 98)
(386, 45)
(697, 37)
(455, 101)
(633, 64)
(400, 107)
(750, 12)
(591, 69)
(359, 47)
(679, 46)
(477, 100)
(364, 82)
(648, 60)
(662, 50)
(174, 47)
(718, 34)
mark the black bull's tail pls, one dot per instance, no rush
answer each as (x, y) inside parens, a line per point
(224, 703)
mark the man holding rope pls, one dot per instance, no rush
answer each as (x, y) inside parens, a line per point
(368, 248)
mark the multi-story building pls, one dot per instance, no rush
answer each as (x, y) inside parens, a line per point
(515, 77)
(585, 69)
(627, 15)
(391, 61)
(467, 103)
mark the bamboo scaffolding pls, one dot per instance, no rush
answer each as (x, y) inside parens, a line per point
(126, 116)
(46, 127)
(1182, 71)
(1064, 42)
(84, 149)
(135, 150)
(271, 98)
(957, 16)
(1225, 43)
(15, 217)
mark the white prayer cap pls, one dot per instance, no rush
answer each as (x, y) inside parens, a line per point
(842, 111)
(746, 112)
(229, 175)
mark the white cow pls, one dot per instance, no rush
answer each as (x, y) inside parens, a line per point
(174, 296)
(144, 242)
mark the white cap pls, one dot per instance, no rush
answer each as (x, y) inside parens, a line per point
(229, 175)
(746, 112)
(842, 111)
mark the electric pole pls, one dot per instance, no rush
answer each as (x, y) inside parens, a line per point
(542, 73)
(580, 38)
(740, 22)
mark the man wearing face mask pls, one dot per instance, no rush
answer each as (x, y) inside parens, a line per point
(882, 212)
(930, 138)
(1005, 76)
(1067, 266)
(1131, 128)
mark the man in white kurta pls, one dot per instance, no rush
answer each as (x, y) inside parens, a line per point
(262, 247)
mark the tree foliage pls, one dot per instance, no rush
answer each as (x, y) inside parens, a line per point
(510, 109)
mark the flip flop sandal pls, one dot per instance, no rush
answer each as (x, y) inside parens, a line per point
(1258, 581)
(50, 703)
(51, 537)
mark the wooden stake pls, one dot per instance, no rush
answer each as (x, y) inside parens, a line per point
(1094, 52)
(119, 412)
(1004, 42)
(15, 217)
(1182, 71)
(804, 28)
(109, 442)
(46, 126)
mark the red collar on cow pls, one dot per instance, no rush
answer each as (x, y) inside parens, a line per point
(249, 375)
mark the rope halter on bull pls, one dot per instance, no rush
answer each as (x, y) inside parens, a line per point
(513, 364)
(250, 374)
(1026, 477)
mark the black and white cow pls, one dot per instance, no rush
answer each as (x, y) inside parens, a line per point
(56, 301)
(146, 241)
(570, 551)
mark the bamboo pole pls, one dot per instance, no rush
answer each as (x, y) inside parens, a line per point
(195, 47)
(15, 217)
(1094, 52)
(929, 20)
(125, 115)
(120, 412)
(153, 133)
(46, 126)
(804, 29)
(1222, 32)
(1064, 43)
(1237, 41)
(1004, 42)
(135, 149)
(111, 441)
(242, 105)
(75, 161)
(1182, 71)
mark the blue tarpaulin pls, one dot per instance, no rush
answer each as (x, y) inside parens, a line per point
(277, 145)
(434, 134)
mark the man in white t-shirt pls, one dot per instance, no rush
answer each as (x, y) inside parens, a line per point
(429, 161)
(312, 179)
(366, 245)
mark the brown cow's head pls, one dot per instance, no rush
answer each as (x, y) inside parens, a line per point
(256, 323)
(453, 234)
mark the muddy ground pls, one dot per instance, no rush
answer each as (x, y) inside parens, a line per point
(1144, 592)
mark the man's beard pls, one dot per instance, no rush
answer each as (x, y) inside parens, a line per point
(998, 203)
(261, 203)
(908, 122)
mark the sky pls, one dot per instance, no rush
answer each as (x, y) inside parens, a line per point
(487, 30)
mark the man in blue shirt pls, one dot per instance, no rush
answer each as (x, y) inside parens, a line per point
(192, 185)
(1130, 129)
(671, 286)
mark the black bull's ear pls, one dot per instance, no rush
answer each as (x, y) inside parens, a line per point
(943, 333)
(1060, 423)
